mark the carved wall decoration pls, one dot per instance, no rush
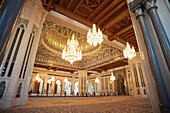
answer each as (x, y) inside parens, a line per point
(53, 40)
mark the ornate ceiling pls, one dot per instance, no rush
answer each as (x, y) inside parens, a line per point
(53, 39)
(112, 16)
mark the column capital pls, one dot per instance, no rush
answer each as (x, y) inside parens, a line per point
(136, 4)
(150, 4)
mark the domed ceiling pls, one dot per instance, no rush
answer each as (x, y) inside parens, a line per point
(53, 40)
(55, 37)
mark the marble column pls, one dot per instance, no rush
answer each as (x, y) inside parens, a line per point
(8, 21)
(82, 81)
(161, 34)
(161, 89)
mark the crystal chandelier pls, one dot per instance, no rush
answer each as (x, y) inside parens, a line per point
(128, 52)
(37, 78)
(52, 78)
(112, 78)
(97, 80)
(71, 52)
(66, 80)
(94, 37)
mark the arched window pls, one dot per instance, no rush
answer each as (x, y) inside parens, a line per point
(10, 52)
(16, 41)
(15, 54)
(31, 44)
(2, 88)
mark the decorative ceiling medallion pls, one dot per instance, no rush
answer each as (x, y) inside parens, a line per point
(92, 3)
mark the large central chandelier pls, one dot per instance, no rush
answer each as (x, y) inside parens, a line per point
(94, 37)
(71, 52)
(128, 52)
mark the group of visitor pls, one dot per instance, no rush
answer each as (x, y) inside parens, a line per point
(78, 94)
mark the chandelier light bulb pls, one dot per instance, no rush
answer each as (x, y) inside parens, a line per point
(52, 78)
(71, 52)
(94, 37)
(37, 77)
(97, 80)
(128, 52)
(66, 80)
(112, 78)
(49, 81)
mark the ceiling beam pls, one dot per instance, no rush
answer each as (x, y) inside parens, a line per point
(112, 12)
(71, 15)
(60, 3)
(120, 32)
(113, 4)
(69, 4)
(126, 33)
(78, 5)
(128, 36)
(100, 7)
(116, 19)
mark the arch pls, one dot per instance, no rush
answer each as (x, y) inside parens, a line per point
(68, 87)
(2, 88)
(76, 88)
(58, 86)
(120, 85)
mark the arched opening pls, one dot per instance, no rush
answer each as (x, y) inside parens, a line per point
(76, 88)
(68, 88)
(41, 86)
(2, 88)
(58, 85)
(120, 85)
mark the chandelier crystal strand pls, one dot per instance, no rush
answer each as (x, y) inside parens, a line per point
(128, 52)
(112, 78)
(71, 52)
(94, 37)
(66, 80)
(97, 80)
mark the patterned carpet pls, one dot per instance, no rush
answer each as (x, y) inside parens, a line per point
(112, 104)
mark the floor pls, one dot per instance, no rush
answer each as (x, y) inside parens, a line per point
(109, 104)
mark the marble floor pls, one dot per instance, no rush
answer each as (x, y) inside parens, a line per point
(109, 104)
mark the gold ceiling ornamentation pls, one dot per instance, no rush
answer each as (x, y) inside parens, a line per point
(71, 52)
(94, 37)
(55, 37)
(49, 53)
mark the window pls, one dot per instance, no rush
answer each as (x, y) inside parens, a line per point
(19, 90)
(2, 88)
(10, 52)
(15, 54)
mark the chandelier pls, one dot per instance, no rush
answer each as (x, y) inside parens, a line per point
(37, 78)
(66, 80)
(94, 37)
(128, 52)
(71, 52)
(97, 80)
(112, 78)
(52, 78)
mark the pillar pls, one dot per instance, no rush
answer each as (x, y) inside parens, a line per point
(159, 29)
(152, 53)
(82, 81)
(21, 61)
(8, 21)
